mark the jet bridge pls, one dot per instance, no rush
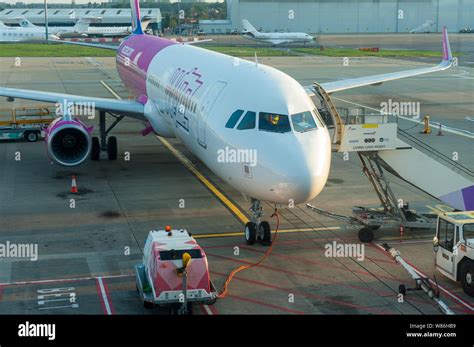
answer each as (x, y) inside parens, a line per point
(380, 149)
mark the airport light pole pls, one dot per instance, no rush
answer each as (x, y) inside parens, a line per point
(46, 20)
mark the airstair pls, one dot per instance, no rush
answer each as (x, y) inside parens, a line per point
(382, 147)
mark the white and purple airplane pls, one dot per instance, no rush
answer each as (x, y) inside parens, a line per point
(214, 102)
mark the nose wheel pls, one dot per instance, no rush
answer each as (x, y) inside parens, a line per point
(257, 230)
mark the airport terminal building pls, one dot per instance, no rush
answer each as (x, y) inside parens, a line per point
(344, 16)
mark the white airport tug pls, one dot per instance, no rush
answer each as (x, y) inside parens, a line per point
(174, 273)
(454, 248)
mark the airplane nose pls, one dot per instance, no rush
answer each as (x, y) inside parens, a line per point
(306, 171)
(313, 169)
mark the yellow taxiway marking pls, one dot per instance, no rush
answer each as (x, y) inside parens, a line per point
(111, 91)
(191, 167)
(231, 234)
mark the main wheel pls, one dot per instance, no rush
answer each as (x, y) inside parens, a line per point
(112, 148)
(250, 233)
(402, 289)
(366, 235)
(31, 137)
(267, 233)
(467, 277)
(95, 152)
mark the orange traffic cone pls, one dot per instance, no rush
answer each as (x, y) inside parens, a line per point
(73, 185)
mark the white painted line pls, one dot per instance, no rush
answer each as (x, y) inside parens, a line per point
(445, 128)
(208, 310)
(56, 307)
(42, 302)
(453, 296)
(61, 280)
(104, 296)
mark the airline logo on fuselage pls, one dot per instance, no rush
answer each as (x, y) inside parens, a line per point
(180, 93)
(127, 51)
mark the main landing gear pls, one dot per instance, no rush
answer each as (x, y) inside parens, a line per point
(103, 142)
(257, 230)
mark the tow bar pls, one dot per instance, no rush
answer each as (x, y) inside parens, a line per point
(421, 283)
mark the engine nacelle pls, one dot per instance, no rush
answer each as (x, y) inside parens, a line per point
(68, 142)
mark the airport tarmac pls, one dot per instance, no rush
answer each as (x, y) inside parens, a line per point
(88, 252)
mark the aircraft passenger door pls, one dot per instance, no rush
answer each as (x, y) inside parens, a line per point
(206, 108)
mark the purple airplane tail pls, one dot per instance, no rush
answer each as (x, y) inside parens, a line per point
(136, 19)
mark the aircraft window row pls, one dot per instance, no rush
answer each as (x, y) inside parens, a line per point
(17, 34)
(181, 98)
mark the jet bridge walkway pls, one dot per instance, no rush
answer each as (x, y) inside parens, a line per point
(380, 148)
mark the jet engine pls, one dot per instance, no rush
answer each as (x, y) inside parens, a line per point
(68, 142)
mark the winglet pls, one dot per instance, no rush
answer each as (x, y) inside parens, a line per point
(447, 55)
(136, 19)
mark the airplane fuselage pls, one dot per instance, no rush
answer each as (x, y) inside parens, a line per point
(190, 93)
(280, 38)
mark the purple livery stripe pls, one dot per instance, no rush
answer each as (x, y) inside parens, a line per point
(133, 59)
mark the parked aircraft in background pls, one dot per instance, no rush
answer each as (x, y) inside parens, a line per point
(274, 38)
(62, 31)
(19, 34)
(426, 27)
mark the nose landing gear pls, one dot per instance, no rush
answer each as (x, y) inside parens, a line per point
(257, 230)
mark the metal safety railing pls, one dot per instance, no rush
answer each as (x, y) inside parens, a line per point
(435, 154)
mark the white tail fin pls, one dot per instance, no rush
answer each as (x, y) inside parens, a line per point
(136, 22)
(249, 27)
(82, 24)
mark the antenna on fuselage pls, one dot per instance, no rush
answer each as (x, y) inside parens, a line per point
(256, 59)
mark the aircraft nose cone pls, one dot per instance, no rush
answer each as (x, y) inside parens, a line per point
(312, 175)
(306, 172)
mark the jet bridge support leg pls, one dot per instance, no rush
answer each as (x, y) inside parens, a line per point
(391, 206)
(105, 143)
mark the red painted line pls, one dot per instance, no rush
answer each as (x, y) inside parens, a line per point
(261, 303)
(101, 299)
(314, 296)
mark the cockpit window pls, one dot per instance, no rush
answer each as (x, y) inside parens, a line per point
(277, 123)
(234, 118)
(303, 122)
(248, 122)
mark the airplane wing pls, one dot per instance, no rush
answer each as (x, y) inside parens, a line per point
(95, 45)
(337, 86)
(127, 108)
